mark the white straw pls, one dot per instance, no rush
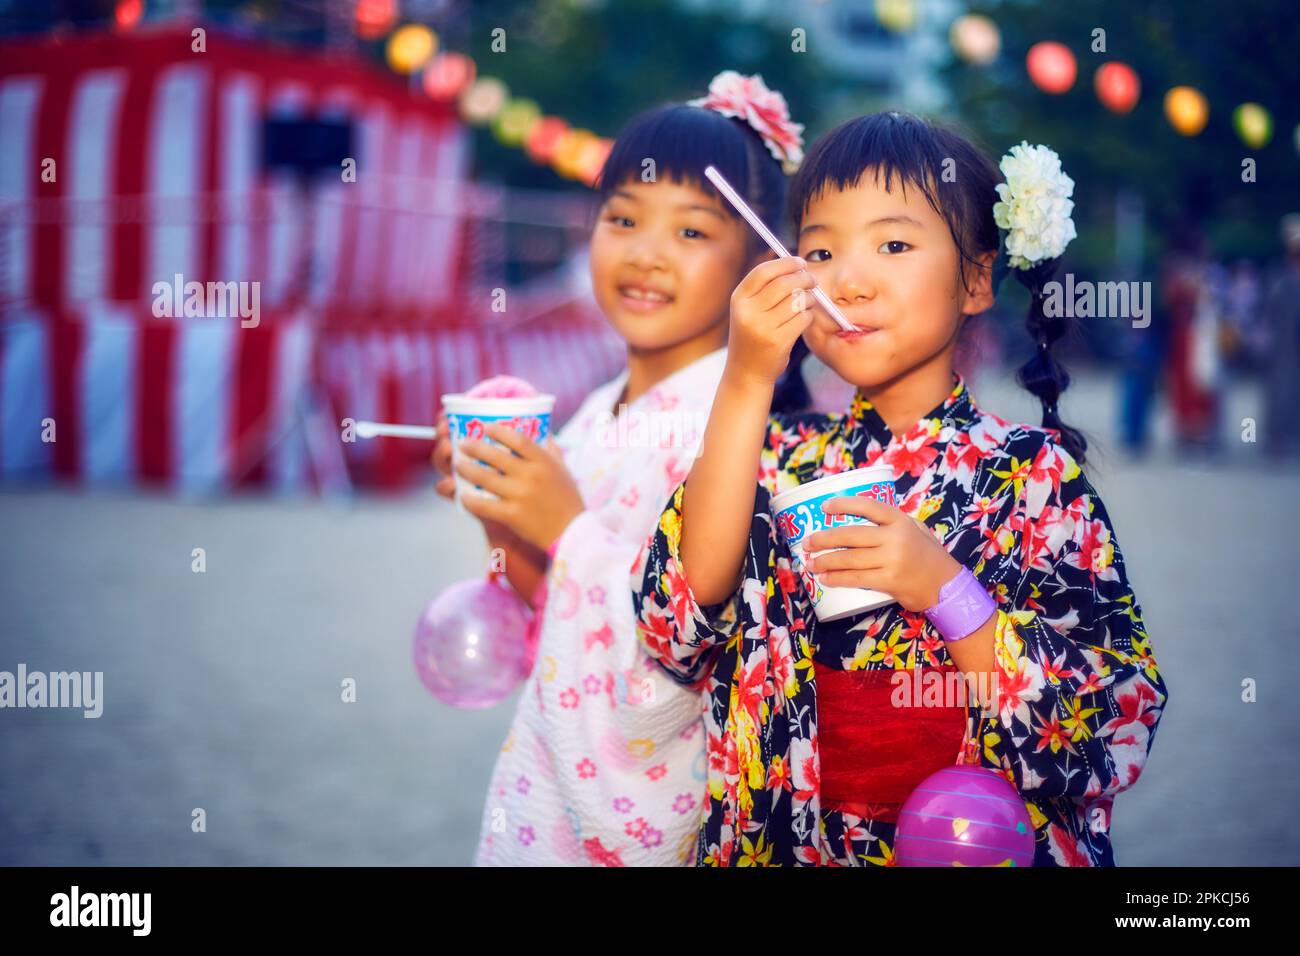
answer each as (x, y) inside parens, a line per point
(751, 217)
(386, 430)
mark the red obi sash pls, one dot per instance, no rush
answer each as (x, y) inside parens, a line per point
(874, 754)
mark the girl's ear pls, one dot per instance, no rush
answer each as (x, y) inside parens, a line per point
(980, 298)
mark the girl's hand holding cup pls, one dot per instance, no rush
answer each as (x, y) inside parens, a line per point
(770, 309)
(441, 457)
(536, 496)
(498, 535)
(897, 554)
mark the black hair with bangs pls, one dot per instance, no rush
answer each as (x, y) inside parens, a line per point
(682, 140)
(959, 181)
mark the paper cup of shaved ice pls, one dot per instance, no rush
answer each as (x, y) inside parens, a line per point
(502, 398)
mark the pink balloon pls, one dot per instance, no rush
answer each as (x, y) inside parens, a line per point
(471, 646)
(964, 816)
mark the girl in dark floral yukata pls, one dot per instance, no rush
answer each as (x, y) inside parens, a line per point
(998, 552)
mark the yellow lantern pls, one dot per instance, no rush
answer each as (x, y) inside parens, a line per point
(1253, 124)
(483, 100)
(896, 15)
(975, 38)
(411, 47)
(1187, 110)
(515, 121)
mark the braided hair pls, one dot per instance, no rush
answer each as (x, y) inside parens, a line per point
(1043, 375)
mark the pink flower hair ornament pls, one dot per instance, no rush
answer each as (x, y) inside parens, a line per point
(748, 99)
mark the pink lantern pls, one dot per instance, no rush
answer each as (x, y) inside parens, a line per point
(1051, 66)
(544, 138)
(448, 75)
(1117, 87)
(964, 816)
(473, 645)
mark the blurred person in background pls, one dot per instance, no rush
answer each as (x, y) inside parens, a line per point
(1193, 340)
(1281, 314)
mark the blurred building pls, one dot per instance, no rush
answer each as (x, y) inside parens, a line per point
(895, 61)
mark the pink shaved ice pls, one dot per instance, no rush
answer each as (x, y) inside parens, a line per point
(502, 386)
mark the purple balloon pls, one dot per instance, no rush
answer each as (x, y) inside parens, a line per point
(471, 648)
(964, 816)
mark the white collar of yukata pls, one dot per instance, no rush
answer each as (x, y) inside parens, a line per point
(957, 409)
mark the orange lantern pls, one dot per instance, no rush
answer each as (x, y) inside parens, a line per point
(1117, 87)
(568, 152)
(447, 75)
(591, 159)
(1187, 110)
(1051, 66)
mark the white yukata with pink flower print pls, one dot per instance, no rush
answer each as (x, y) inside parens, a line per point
(604, 762)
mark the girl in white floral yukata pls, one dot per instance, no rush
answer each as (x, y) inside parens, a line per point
(604, 761)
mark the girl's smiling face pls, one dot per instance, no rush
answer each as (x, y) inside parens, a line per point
(888, 260)
(665, 257)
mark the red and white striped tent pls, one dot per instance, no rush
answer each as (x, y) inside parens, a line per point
(128, 160)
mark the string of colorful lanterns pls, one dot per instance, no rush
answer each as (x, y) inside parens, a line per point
(450, 76)
(578, 154)
(1052, 68)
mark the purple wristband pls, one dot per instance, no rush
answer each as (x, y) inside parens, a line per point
(963, 607)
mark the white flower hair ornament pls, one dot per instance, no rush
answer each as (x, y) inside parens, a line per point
(1033, 215)
(748, 99)
(1033, 212)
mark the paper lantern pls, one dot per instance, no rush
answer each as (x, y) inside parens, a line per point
(128, 13)
(591, 159)
(374, 18)
(447, 75)
(896, 15)
(568, 152)
(1117, 87)
(544, 137)
(411, 47)
(975, 38)
(515, 121)
(1253, 124)
(1186, 110)
(1051, 66)
(483, 100)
